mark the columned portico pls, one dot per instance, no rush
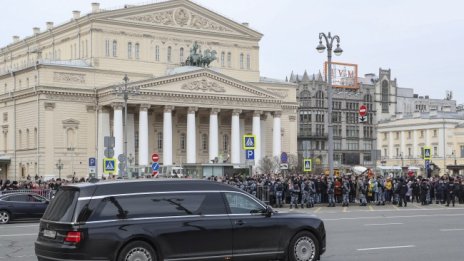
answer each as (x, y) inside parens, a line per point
(167, 135)
(191, 135)
(277, 138)
(118, 129)
(257, 132)
(143, 134)
(213, 134)
(235, 137)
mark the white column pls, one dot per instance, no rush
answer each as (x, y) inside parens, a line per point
(167, 135)
(103, 130)
(118, 130)
(191, 135)
(235, 137)
(213, 134)
(276, 135)
(130, 138)
(257, 131)
(143, 135)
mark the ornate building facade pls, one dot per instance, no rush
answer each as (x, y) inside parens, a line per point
(58, 96)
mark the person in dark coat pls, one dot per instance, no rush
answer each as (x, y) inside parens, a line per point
(451, 190)
(402, 190)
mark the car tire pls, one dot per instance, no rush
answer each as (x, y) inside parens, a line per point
(5, 217)
(303, 247)
(137, 250)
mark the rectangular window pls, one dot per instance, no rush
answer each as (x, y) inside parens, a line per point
(462, 151)
(137, 51)
(353, 145)
(241, 61)
(157, 53)
(223, 59)
(229, 59)
(225, 143)
(129, 50)
(160, 141)
(182, 141)
(169, 54)
(337, 145)
(409, 135)
(435, 151)
(409, 152)
(368, 145)
(435, 133)
(248, 62)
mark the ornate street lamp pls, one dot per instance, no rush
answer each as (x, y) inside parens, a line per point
(329, 39)
(59, 165)
(125, 91)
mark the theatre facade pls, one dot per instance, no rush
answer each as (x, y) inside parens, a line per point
(58, 98)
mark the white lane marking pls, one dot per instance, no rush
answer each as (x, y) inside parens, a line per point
(382, 217)
(452, 229)
(381, 248)
(19, 235)
(37, 225)
(385, 224)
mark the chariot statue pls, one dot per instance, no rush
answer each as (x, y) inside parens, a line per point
(196, 58)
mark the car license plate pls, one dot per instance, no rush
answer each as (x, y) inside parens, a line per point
(49, 233)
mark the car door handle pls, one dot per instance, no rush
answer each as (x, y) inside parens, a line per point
(239, 222)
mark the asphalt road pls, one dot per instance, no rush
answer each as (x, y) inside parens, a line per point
(369, 233)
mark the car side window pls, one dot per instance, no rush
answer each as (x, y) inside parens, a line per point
(37, 199)
(19, 198)
(159, 205)
(242, 204)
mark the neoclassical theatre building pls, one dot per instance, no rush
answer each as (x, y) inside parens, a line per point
(58, 98)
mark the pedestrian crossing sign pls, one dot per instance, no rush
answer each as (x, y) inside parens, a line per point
(307, 165)
(427, 153)
(249, 142)
(109, 165)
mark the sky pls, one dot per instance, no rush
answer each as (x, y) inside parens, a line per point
(419, 40)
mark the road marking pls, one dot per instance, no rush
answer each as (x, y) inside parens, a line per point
(383, 217)
(386, 224)
(453, 229)
(317, 210)
(20, 226)
(371, 208)
(19, 235)
(388, 247)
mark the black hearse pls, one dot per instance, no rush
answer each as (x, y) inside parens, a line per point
(172, 220)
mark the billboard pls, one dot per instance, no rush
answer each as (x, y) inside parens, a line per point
(344, 75)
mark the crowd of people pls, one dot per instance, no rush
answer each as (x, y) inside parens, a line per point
(299, 191)
(308, 190)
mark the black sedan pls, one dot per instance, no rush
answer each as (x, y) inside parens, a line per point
(21, 205)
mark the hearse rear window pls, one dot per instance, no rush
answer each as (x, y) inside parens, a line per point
(62, 206)
(159, 205)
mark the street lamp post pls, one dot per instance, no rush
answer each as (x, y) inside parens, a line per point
(125, 91)
(59, 166)
(329, 39)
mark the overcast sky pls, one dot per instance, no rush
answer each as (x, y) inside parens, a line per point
(419, 40)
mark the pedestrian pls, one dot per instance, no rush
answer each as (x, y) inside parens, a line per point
(331, 192)
(346, 192)
(279, 189)
(451, 190)
(402, 190)
(294, 192)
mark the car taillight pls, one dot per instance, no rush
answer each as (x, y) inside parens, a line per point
(73, 237)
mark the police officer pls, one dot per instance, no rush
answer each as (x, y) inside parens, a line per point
(346, 188)
(312, 193)
(279, 189)
(402, 190)
(362, 190)
(380, 191)
(331, 192)
(305, 193)
(451, 190)
(294, 192)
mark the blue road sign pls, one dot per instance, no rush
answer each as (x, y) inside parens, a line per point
(155, 166)
(283, 157)
(109, 165)
(249, 142)
(92, 162)
(250, 154)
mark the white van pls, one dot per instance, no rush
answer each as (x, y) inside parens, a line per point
(171, 172)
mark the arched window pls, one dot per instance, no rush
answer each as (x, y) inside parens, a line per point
(248, 61)
(320, 99)
(241, 61)
(27, 138)
(305, 98)
(182, 141)
(35, 138)
(225, 143)
(223, 59)
(160, 141)
(129, 50)
(229, 59)
(157, 53)
(204, 142)
(137, 51)
(70, 138)
(115, 48)
(385, 96)
(181, 55)
(169, 53)
(20, 139)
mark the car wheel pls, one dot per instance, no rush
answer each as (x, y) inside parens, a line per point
(303, 247)
(137, 251)
(4, 217)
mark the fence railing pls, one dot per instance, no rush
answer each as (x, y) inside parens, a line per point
(46, 193)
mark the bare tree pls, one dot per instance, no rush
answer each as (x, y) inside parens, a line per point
(293, 163)
(268, 165)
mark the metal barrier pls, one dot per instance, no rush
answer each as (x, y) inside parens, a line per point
(46, 193)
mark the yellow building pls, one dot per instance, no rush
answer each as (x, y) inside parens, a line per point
(402, 139)
(58, 97)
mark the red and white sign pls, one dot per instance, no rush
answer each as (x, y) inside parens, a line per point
(362, 110)
(155, 157)
(155, 173)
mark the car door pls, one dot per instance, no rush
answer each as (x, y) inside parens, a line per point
(255, 235)
(39, 204)
(19, 205)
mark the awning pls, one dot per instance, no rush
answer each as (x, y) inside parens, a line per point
(4, 159)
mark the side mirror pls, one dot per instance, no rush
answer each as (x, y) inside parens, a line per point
(269, 211)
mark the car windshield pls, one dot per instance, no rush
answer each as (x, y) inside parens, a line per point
(61, 208)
